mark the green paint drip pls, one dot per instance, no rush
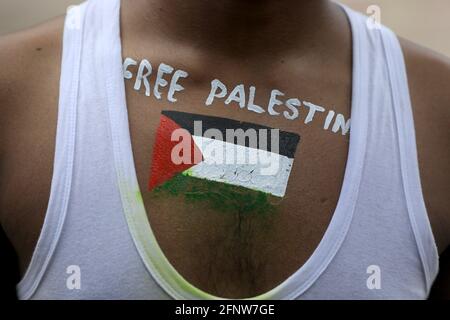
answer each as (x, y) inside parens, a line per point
(139, 197)
(220, 196)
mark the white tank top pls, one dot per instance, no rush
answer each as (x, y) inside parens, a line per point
(379, 244)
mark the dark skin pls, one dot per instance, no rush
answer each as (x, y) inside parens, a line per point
(309, 56)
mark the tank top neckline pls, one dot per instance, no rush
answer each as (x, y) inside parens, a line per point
(135, 212)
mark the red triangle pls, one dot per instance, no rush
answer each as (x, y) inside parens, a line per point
(163, 168)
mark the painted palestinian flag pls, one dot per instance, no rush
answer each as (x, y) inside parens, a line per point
(231, 164)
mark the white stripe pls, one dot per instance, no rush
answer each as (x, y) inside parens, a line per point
(242, 166)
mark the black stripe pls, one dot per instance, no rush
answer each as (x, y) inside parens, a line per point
(288, 140)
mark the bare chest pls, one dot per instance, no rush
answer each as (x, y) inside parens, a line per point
(227, 228)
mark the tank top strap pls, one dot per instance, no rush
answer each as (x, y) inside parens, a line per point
(64, 152)
(408, 155)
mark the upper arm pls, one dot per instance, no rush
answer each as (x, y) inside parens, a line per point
(429, 82)
(29, 79)
(29, 83)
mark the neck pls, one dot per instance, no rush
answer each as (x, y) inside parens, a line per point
(239, 27)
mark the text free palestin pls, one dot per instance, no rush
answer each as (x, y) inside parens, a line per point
(238, 95)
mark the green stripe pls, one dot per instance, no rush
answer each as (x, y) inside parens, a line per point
(219, 196)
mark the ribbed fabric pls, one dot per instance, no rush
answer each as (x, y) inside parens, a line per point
(96, 221)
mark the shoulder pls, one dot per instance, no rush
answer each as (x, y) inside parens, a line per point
(428, 71)
(29, 82)
(25, 53)
(29, 60)
(429, 84)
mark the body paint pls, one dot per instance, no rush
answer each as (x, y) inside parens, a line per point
(218, 196)
(160, 81)
(145, 70)
(273, 102)
(312, 111)
(266, 177)
(163, 167)
(341, 124)
(238, 95)
(328, 120)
